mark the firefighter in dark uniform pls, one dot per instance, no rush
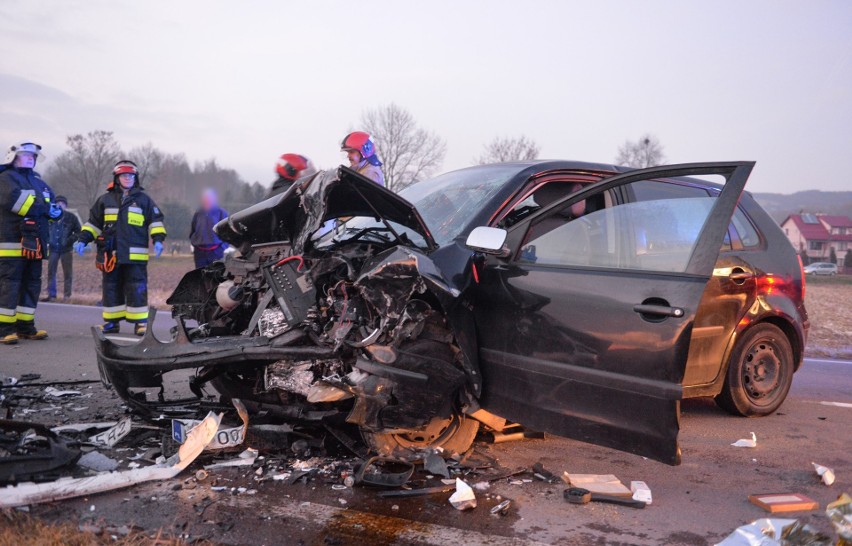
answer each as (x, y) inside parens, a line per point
(120, 223)
(26, 208)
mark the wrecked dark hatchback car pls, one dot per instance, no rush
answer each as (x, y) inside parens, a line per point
(545, 293)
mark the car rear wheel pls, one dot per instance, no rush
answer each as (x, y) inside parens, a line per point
(454, 435)
(760, 372)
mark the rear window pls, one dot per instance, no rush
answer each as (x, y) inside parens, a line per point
(745, 230)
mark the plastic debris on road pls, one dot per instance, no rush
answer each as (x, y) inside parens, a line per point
(775, 532)
(604, 484)
(463, 498)
(246, 458)
(839, 513)
(826, 474)
(641, 492)
(97, 461)
(56, 393)
(746, 442)
(67, 488)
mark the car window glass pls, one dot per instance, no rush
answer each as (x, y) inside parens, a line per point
(652, 235)
(653, 190)
(543, 196)
(745, 230)
(447, 202)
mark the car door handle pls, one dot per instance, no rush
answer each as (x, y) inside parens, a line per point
(739, 275)
(658, 310)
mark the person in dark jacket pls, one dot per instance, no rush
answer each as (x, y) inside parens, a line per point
(207, 247)
(26, 207)
(289, 168)
(120, 223)
(63, 234)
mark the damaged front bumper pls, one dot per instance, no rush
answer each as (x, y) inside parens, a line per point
(142, 365)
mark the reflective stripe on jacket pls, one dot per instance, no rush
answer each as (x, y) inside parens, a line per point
(127, 221)
(23, 194)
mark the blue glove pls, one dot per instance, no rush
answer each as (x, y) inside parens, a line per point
(55, 211)
(80, 247)
(158, 248)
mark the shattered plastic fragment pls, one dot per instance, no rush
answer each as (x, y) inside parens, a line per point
(501, 509)
(246, 458)
(434, 463)
(775, 532)
(825, 473)
(464, 497)
(66, 488)
(746, 442)
(839, 513)
(97, 461)
(56, 393)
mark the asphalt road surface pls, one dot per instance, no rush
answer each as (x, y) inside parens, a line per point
(699, 502)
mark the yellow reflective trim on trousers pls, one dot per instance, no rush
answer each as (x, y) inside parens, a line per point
(7, 316)
(139, 257)
(26, 317)
(110, 217)
(157, 230)
(113, 315)
(25, 208)
(137, 316)
(11, 253)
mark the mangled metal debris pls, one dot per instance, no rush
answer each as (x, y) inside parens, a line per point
(30, 451)
(66, 488)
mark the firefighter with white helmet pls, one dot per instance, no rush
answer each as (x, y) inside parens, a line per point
(361, 152)
(120, 223)
(26, 208)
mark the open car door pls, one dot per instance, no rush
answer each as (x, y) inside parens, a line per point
(585, 328)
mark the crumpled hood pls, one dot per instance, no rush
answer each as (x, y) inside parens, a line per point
(297, 213)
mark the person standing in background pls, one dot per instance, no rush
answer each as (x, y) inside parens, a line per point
(207, 247)
(289, 168)
(120, 223)
(63, 233)
(26, 207)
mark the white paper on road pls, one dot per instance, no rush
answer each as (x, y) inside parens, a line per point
(66, 488)
(114, 435)
(224, 438)
(464, 497)
(763, 532)
(746, 442)
(641, 492)
(825, 473)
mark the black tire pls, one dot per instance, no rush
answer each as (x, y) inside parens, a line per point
(759, 374)
(453, 435)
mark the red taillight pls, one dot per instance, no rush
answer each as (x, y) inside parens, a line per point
(802, 272)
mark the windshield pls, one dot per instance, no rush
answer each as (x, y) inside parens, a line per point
(448, 202)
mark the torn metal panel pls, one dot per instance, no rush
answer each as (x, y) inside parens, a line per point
(30, 451)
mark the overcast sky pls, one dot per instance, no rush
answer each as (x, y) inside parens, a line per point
(246, 81)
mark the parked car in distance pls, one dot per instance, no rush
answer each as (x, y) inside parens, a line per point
(578, 299)
(821, 268)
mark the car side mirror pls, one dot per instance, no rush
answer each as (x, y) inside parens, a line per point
(488, 240)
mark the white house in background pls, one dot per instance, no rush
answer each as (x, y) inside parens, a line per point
(818, 233)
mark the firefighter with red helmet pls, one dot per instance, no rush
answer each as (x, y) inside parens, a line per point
(26, 208)
(289, 168)
(120, 223)
(361, 152)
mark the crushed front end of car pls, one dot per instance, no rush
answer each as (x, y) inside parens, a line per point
(331, 305)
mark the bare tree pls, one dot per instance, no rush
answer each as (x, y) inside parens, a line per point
(645, 152)
(509, 149)
(409, 152)
(85, 169)
(148, 159)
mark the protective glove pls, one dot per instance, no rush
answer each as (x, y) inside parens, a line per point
(80, 247)
(55, 211)
(158, 248)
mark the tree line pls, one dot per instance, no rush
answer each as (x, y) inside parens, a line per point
(409, 151)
